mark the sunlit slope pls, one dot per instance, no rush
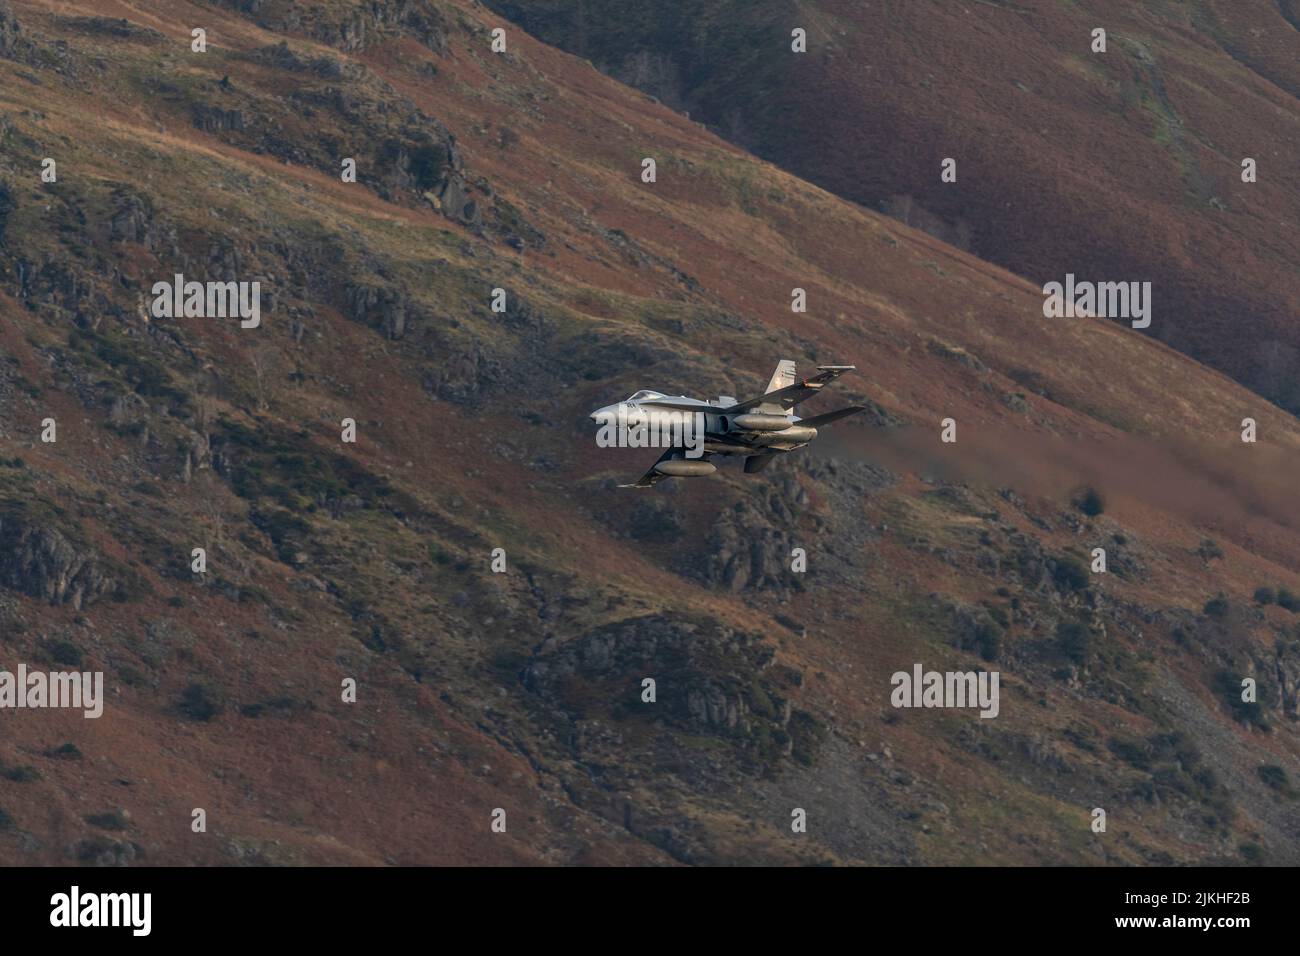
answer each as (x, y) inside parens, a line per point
(523, 690)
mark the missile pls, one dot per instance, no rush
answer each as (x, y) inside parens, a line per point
(799, 434)
(756, 422)
(684, 468)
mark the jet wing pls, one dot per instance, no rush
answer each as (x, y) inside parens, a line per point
(652, 477)
(818, 421)
(792, 395)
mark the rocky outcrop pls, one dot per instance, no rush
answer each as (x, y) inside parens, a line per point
(350, 30)
(118, 27)
(745, 555)
(1287, 663)
(454, 201)
(11, 40)
(7, 204)
(283, 57)
(430, 164)
(42, 562)
(134, 220)
(750, 545)
(388, 309)
(464, 373)
(710, 678)
(210, 119)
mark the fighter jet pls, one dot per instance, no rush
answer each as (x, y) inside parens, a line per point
(759, 429)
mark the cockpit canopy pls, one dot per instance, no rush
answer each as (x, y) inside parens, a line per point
(644, 394)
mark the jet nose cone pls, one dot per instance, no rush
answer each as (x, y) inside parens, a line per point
(602, 415)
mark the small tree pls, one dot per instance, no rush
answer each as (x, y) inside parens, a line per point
(1275, 777)
(1070, 574)
(199, 702)
(989, 638)
(264, 361)
(1091, 502)
(1074, 640)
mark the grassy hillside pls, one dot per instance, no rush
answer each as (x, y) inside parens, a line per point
(1122, 165)
(522, 690)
